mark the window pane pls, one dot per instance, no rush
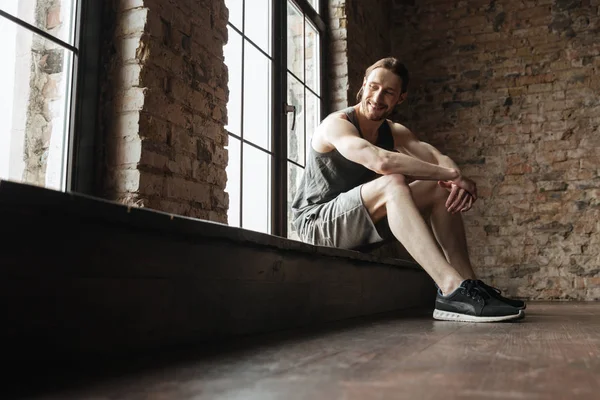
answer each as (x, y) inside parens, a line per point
(55, 18)
(295, 138)
(314, 4)
(256, 189)
(235, 13)
(35, 82)
(313, 115)
(233, 59)
(233, 181)
(257, 97)
(295, 41)
(313, 64)
(294, 176)
(258, 20)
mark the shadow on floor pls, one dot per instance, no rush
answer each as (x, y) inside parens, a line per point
(48, 377)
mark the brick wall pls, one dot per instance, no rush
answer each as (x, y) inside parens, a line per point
(368, 38)
(509, 89)
(359, 37)
(165, 95)
(506, 88)
(338, 55)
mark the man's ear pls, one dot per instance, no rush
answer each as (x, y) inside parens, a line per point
(402, 97)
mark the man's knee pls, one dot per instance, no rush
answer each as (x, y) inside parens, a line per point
(394, 183)
(432, 194)
(376, 194)
(395, 180)
(438, 193)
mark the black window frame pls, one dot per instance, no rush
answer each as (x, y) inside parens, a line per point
(279, 128)
(280, 190)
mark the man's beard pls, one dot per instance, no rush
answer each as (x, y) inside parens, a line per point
(365, 108)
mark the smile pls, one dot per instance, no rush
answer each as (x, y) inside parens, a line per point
(376, 107)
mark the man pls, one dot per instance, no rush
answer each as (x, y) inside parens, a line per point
(366, 175)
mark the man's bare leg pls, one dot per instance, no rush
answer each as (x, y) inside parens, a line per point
(449, 231)
(390, 195)
(448, 228)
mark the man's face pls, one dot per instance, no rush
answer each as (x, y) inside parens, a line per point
(381, 93)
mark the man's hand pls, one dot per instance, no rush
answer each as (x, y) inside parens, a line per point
(466, 184)
(463, 193)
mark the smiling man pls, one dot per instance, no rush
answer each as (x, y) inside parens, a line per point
(367, 177)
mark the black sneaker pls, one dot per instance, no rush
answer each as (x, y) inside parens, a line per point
(497, 293)
(471, 303)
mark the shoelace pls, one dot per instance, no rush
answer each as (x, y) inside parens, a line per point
(472, 290)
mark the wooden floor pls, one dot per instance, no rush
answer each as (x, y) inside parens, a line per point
(554, 353)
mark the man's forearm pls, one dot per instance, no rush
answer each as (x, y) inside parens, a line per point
(436, 157)
(447, 162)
(460, 181)
(398, 163)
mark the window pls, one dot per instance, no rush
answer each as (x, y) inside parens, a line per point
(274, 58)
(43, 64)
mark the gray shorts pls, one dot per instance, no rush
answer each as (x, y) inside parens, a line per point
(344, 222)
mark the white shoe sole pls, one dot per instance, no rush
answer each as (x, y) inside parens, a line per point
(451, 316)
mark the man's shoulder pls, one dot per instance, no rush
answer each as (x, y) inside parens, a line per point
(335, 120)
(400, 131)
(397, 127)
(339, 114)
(335, 125)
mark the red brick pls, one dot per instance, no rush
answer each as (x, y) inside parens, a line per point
(161, 103)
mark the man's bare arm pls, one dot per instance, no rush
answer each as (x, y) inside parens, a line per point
(405, 140)
(438, 157)
(343, 136)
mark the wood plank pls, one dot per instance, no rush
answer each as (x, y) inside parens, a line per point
(554, 353)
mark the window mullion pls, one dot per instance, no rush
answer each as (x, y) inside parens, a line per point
(241, 205)
(279, 121)
(323, 61)
(83, 137)
(304, 83)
